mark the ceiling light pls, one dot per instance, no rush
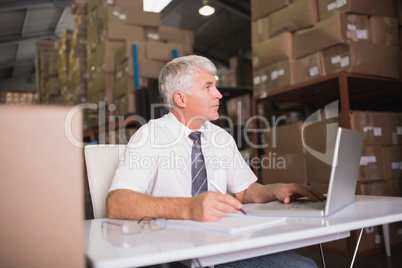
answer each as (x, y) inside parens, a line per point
(206, 10)
(155, 5)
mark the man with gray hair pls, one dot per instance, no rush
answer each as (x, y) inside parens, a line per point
(176, 166)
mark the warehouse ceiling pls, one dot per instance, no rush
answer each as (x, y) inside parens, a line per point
(24, 22)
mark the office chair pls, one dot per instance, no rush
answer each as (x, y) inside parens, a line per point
(101, 162)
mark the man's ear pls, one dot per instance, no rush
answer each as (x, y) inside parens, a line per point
(180, 99)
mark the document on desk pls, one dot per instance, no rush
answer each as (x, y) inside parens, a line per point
(231, 224)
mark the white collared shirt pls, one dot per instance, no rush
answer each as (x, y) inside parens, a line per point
(157, 160)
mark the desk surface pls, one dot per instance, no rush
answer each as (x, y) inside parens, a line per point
(105, 248)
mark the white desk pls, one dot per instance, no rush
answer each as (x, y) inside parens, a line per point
(113, 249)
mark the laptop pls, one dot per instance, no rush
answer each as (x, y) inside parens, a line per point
(342, 183)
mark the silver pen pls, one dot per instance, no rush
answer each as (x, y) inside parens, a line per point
(222, 192)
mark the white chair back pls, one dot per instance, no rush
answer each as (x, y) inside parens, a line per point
(101, 162)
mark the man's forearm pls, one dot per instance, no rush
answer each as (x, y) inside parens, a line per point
(130, 205)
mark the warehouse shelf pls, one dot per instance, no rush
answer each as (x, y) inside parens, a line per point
(354, 91)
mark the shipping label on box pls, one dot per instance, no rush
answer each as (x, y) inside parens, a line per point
(261, 82)
(375, 125)
(280, 75)
(371, 166)
(368, 7)
(336, 29)
(362, 59)
(308, 67)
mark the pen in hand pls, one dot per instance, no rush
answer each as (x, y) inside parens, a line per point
(222, 192)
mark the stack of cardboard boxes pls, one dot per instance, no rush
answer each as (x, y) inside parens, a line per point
(18, 97)
(64, 47)
(47, 81)
(380, 166)
(296, 41)
(113, 28)
(77, 62)
(93, 63)
(288, 158)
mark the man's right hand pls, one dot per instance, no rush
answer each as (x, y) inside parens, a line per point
(212, 206)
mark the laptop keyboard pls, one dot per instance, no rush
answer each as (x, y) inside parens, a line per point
(298, 204)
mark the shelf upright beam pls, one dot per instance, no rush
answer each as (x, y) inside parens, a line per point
(344, 99)
(175, 54)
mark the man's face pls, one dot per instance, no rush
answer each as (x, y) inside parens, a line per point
(203, 103)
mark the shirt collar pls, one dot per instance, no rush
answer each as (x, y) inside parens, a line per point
(177, 128)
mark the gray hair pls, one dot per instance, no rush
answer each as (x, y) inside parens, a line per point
(177, 75)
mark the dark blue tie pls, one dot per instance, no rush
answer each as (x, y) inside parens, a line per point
(198, 170)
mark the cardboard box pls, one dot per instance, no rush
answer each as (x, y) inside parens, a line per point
(375, 125)
(110, 47)
(281, 74)
(126, 3)
(239, 109)
(148, 68)
(317, 170)
(119, 31)
(392, 162)
(367, 7)
(395, 233)
(371, 239)
(396, 128)
(285, 139)
(133, 16)
(308, 67)
(336, 29)
(261, 82)
(384, 31)
(126, 103)
(283, 168)
(279, 48)
(175, 35)
(362, 59)
(371, 166)
(162, 51)
(291, 18)
(295, 138)
(142, 18)
(259, 31)
(395, 187)
(109, 87)
(261, 8)
(377, 188)
(319, 139)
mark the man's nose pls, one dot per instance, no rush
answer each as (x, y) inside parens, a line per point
(218, 94)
